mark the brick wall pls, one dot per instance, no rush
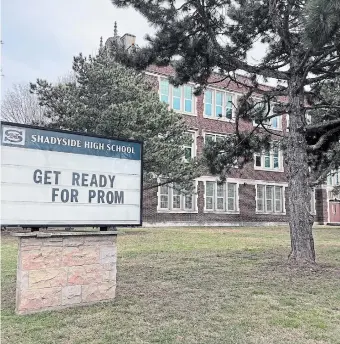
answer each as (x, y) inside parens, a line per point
(247, 192)
(63, 270)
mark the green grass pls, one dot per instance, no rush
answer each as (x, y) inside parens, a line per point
(196, 285)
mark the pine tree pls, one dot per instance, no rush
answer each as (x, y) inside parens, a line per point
(109, 99)
(302, 40)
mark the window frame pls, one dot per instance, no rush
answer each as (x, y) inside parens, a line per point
(273, 199)
(225, 198)
(275, 155)
(225, 102)
(216, 136)
(269, 124)
(182, 98)
(312, 202)
(333, 179)
(193, 146)
(171, 194)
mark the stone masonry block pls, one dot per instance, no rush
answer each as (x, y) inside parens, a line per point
(108, 254)
(99, 241)
(98, 292)
(80, 256)
(86, 274)
(44, 258)
(40, 299)
(71, 295)
(73, 241)
(56, 242)
(108, 266)
(22, 281)
(48, 278)
(109, 275)
(29, 244)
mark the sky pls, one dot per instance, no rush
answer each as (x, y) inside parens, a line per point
(40, 37)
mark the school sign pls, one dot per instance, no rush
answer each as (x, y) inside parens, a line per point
(60, 178)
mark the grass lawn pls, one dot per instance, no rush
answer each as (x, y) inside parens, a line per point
(196, 285)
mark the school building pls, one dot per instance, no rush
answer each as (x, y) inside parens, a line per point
(251, 196)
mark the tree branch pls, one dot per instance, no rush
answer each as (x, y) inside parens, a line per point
(313, 127)
(322, 140)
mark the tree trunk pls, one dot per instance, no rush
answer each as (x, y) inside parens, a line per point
(301, 221)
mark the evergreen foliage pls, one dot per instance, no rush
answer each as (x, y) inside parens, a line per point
(109, 99)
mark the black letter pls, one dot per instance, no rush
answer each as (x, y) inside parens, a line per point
(74, 195)
(112, 179)
(101, 195)
(47, 177)
(109, 197)
(119, 198)
(37, 178)
(54, 193)
(102, 181)
(94, 181)
(84, 179)
(56, 174)
(75, 178)
(65, 195)
(92, 194)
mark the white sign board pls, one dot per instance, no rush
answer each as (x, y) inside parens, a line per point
(60, 178)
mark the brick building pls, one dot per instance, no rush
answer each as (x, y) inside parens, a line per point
(253, 195)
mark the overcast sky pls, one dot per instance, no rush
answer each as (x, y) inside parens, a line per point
(40, 37)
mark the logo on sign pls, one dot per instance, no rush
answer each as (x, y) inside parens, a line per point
(13, 136)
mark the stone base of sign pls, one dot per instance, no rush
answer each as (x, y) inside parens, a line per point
(65, 269)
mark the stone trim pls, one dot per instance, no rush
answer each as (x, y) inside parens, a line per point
(61, 234)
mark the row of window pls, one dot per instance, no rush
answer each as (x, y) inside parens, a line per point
(271, 160)
(220, 197)
(217, 104)
(224, 198)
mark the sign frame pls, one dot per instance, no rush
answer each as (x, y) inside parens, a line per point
(87, 134)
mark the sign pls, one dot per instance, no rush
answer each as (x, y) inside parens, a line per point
(61, 178)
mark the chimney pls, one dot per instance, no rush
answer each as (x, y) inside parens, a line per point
(128, 40)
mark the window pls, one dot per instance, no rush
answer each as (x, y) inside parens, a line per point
(272, 123)
(164, 91)
(221, 197)
(187, 98)
(275, 122)
(287, 122)
(208, 103)
(176, 98)
(213, 138)
(164, 196)
(190, 149)
(269, 199)
(171, 199)
(218, 138)
(179, 98)
(312, 202)
(269, 160)
(218, 104)
(333, 178)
